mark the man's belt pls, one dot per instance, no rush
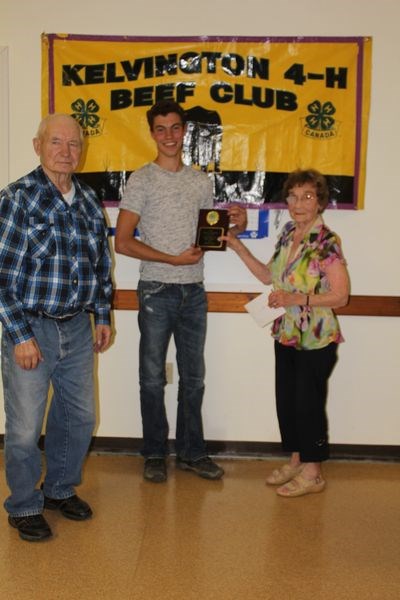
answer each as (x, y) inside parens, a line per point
(45, 315)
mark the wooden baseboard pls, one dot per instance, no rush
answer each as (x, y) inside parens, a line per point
(253, 449)
(117, 445)
(233, 302)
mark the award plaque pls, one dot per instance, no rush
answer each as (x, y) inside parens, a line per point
(213, 223)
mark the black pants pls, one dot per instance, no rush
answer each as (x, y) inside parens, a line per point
(301, 386)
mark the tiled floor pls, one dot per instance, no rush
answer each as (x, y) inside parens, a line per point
(192, 539)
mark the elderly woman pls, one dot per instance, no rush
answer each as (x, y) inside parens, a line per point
(309, 278)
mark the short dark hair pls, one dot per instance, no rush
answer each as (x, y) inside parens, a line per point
(300, 177)
(164, 108)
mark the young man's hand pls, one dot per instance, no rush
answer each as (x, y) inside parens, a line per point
(190, 256)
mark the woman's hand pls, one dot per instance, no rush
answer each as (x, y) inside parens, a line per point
(279, 298)
(238, 218)
(231, 240)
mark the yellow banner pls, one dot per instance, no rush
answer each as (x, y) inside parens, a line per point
(257, 106)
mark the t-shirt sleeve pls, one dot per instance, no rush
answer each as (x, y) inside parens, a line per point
(134, 194)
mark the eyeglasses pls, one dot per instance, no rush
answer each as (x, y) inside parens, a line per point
(306, 198)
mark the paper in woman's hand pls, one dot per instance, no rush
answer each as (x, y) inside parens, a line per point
(260, 311)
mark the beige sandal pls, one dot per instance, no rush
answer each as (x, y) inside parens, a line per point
(283, 475)
(299, 486)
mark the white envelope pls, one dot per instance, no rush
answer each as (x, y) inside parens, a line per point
(260, 311)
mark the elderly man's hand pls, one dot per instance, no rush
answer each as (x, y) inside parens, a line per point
(102, 338)
(27, 354)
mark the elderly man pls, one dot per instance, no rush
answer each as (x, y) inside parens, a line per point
(54, 272)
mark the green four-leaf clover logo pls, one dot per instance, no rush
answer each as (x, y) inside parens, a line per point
(321, 116)
(85, 113)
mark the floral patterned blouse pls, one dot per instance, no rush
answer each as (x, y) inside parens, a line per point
(306, 327)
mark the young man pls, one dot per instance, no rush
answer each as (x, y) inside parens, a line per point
(54, 270)
(163, 199)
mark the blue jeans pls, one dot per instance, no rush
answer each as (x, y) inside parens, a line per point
(166, 310)
(67, 348)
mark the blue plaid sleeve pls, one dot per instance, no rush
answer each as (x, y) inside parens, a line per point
(13, 244)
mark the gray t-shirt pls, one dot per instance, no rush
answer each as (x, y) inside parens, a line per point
(168, 204)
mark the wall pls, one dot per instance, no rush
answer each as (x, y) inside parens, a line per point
(364, 403)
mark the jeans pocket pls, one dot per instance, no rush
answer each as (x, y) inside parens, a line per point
(149, 288)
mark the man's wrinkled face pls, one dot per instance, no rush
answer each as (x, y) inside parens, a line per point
(60, 147)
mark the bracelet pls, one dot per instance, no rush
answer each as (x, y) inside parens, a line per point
(308, 300)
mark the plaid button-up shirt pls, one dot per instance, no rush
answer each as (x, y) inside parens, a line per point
(53, 257)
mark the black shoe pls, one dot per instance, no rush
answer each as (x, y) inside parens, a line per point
(155, 470)
(33, 528)
(203, 467)
(72, 508)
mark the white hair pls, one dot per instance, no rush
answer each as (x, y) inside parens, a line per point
(49, 118)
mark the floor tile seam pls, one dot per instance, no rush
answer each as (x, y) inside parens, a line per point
(145, 531)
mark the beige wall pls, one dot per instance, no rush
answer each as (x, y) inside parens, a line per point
(364, 402)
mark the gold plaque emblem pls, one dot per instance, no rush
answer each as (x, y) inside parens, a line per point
(212, 217)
